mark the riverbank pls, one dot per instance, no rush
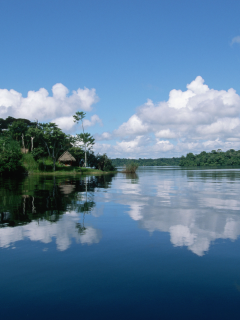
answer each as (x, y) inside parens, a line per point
(45, 168)
(85, 171)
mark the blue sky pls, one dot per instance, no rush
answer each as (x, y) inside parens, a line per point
(128, 52)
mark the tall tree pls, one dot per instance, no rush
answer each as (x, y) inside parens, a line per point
(79, 116)
(86, 140)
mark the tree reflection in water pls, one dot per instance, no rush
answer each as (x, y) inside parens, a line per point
(47, 200)
(195, 207)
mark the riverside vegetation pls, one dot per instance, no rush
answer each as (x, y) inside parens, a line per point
(130, 167)
(214, 158)
(27, 146)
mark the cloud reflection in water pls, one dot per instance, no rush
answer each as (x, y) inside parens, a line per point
(63, 231)
(196, 207)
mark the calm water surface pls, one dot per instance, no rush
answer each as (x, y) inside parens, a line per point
(161, 244)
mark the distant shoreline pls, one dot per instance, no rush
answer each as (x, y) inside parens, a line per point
(120, 162)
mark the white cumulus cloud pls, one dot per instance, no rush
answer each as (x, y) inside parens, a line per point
(193, 120)
(94, 120)
(39, 105)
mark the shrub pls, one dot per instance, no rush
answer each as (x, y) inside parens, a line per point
(100, 162)
(130, 167)
(104, 163)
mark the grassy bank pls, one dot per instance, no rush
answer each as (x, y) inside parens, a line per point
(45, 167)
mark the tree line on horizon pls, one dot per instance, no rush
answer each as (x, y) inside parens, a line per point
(205, 159)
(214, 158)
(120, 162)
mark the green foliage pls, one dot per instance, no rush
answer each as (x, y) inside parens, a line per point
(104, 163)
(92, 159)
(86, 139)
(79, 116)
(46, 165)
(147, 162)
(83, 138)
(10, 157)
(39, 153)
(100, 162)
(47, 142)
(17, 128)
(6, 123)
(131, 167)
(29, 163)
(213, 158)
(52, 138)
(78, 154)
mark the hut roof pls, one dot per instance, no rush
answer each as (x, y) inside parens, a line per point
(66, 156)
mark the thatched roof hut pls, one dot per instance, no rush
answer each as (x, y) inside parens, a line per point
(66, 157)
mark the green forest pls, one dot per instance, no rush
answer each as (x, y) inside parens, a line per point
(147, 162)
(27, 146)
(213, 158)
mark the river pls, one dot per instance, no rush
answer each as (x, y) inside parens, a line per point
(159, 244)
